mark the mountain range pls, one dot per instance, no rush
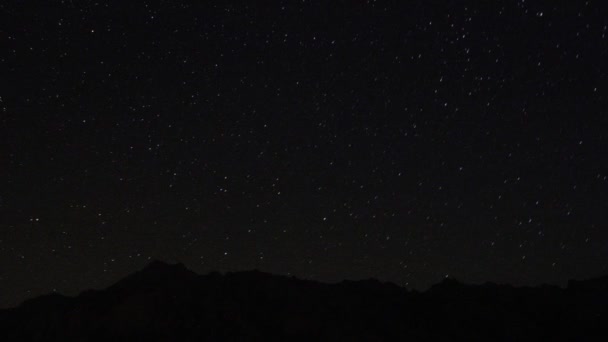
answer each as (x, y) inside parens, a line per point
(168, 302)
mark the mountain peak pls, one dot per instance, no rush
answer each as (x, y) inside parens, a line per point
(162, 269)
(156, 273)
(161, 266)
(447, 284)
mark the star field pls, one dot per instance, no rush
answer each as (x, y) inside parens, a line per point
(402, 141)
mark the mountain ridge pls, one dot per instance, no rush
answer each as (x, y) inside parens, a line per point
(164, 302)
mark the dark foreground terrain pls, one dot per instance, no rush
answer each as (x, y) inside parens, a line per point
(170, 303)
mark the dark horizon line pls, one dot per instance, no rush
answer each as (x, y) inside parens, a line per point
(454, 281)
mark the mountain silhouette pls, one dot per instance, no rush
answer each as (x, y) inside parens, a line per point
(168, 302)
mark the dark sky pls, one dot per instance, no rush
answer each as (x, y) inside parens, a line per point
(328, 140)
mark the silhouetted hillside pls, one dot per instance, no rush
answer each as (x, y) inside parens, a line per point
(166, 302)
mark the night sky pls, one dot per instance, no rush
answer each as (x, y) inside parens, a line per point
(406, 141)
